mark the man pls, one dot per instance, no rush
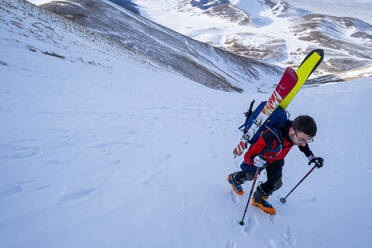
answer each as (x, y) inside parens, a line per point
(269, 153)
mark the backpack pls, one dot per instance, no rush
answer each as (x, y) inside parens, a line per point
(277, 118)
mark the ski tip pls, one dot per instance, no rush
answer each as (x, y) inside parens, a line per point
(289, 69)
(319, 52)
(290, 72)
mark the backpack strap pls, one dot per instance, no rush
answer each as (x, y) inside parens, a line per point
(277, 135)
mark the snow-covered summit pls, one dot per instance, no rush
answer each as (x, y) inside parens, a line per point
(270, 30)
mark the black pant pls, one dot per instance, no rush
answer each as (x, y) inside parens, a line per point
(274, 176)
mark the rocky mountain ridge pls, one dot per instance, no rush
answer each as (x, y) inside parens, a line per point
(203, 63)
(277, 32)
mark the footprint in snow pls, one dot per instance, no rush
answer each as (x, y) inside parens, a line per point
(21, 187)
(289, 237)
(18, 151)
(32, 186)
(54, 163)
(10, 191)
(234, 196)
(231, 244)
(155, 178)
(311, 199)
(74, 196)
(273, 244)
(40, 188)
(289, 240)
(251, 225)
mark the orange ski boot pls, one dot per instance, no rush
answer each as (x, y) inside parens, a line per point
(237, 187)
(260, 200)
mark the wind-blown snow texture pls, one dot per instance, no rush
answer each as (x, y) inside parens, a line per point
(98, 149)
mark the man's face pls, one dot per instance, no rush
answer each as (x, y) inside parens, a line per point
(299, 138)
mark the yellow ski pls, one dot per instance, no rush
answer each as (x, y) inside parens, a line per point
(308, 65)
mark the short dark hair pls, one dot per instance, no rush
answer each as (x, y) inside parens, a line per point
(305, 124)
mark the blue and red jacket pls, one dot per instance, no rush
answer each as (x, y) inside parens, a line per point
(274, 145)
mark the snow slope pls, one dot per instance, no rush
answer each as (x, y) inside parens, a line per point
(98, 149)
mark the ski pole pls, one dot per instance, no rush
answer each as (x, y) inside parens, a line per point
(250, 194)
(283, 200)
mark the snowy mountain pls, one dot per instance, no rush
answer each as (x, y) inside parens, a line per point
(102, 147)
(200, 62)
(360, 9)
(269, 30)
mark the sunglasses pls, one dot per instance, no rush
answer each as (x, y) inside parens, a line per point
(301, 140)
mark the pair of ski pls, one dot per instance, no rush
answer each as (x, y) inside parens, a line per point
(283, 94)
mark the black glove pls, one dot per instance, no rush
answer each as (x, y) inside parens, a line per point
(318, 161)
(250, 168)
